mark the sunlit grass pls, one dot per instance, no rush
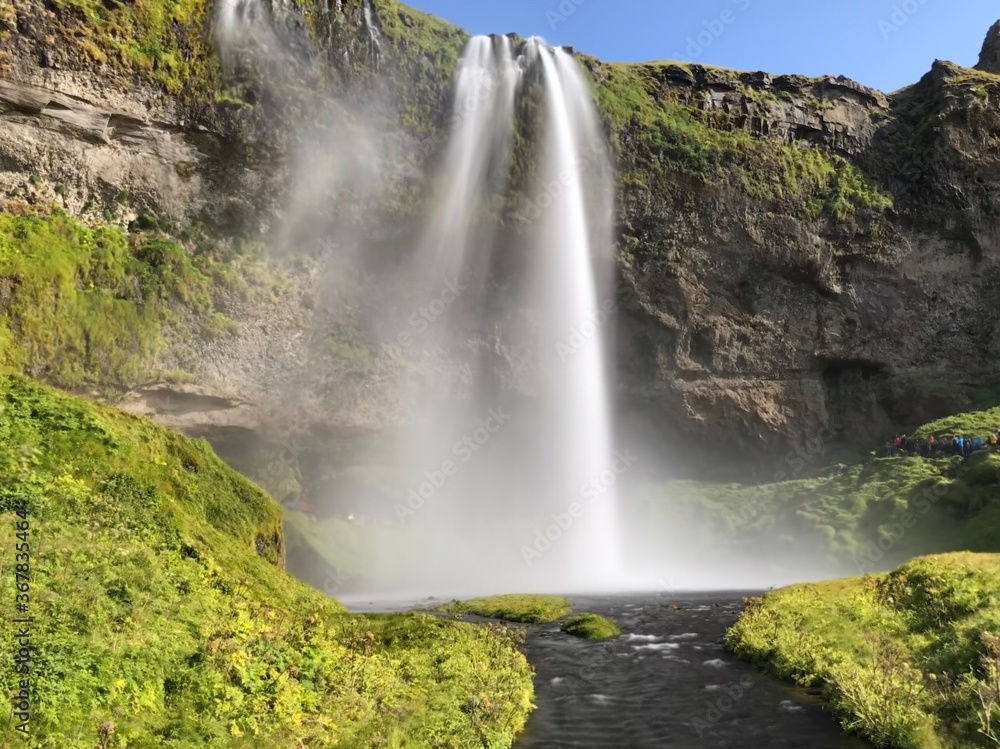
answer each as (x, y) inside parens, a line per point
(162, 615)
(591, 627)
(529, 609)
(904, 658)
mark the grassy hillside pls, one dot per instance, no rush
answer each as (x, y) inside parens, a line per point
(973, 423)
(909, 659)
(162, 616)
(868, 517)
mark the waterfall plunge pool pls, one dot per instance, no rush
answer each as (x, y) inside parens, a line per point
(667, 681)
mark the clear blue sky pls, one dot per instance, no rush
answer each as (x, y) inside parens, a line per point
(882, 43)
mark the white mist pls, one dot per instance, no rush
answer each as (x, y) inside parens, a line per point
(513, 492)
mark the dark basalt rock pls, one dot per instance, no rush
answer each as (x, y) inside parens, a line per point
(989, 58)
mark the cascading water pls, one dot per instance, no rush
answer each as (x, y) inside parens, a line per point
(528, 504)
(576, 310)
(374, 36)
(505, 480)
(485, 87)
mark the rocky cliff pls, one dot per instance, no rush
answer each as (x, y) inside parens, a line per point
(797, 257)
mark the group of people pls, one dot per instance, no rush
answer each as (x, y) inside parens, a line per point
(957, 445)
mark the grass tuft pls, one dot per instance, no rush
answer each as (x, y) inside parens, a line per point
(529, 609)
(591, 627)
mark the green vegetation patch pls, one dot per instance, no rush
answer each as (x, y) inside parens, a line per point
(591, 627)
(162, 616)
(670, 138)
(165, 41)
(918, 139)
(88, 306)
(973, 424)
(867, 517)
(529, 609)
(344, 547)
(908, 659)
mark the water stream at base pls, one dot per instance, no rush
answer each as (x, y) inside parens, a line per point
(666, 682)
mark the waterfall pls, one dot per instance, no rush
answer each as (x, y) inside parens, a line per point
(575, 229)
(481, 128)
(529, 504)
(374, 36)
(503, 478)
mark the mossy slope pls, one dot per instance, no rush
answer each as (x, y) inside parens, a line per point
(909, 659)
(869, 517)
(91, 305)
(162, 617)
(971, 423)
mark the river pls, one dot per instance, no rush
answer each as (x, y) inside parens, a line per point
(666, 682)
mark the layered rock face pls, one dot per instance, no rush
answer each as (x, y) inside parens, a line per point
(754, 316)
(764, 330)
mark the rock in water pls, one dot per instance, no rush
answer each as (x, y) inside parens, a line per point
(989, 58)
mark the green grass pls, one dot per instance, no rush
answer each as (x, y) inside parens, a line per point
(972, 423)
(909, 505)
(909, 659)
(672, 140)
(87, 305)
(162, 615)
(218, 325)
(874, 514)
(591, 627)
(341, 545)
(528, 609)
(916, 140)
(90, 306)
(169, 43)
(164, 41)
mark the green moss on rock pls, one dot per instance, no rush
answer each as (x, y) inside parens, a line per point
(670, 141)
(84, 305)
(591, 627)
(164, 41)
(162, 616)
(90, 306)
(875, 513)
(867, 516)
(972, 423)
